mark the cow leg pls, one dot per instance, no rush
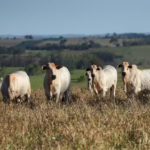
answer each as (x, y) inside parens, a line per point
(104, 93)
(125, 88)
(6, 100)
(47, 93)
(18, 99)
(114, 90)
(63, 98)
(27, 98)
(57, 97)
(66, 96)
(48, 97)
(95, 89)
(111, 89)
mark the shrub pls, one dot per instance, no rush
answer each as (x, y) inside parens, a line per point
(81, 78)
(33, 69)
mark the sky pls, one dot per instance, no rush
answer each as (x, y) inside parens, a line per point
(57, 17)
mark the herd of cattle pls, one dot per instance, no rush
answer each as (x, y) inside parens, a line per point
(57, 81)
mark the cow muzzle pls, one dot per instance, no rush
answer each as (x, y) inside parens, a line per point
(123, 73)
(53, 77)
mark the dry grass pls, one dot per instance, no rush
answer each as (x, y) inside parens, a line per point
(85, 123)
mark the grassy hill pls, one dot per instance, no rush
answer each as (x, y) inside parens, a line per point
(10, 42)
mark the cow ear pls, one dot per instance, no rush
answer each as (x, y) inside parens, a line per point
(87, 69)
(127, 64)
(94, 66)
(85, 74)
(130, 66)
(118, 66)
(53, 65)
(59, 66)
(99, 68)
(44, 67)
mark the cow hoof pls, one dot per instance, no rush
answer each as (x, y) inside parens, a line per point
(49, 102)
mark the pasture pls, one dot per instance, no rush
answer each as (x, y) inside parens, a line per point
(86, 122)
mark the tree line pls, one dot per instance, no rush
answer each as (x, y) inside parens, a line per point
(33, 62)
(48, 47)
(127, 36)
(11, 50)
(140, 42)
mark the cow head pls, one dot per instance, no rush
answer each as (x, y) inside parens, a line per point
(50, 70)
(88, 74)
(124, 68)
(12, 90)
(11, 93)
(93, 70)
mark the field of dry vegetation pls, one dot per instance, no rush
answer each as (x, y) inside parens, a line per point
(87, 122)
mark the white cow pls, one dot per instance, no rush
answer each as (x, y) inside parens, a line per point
(15, 86)
(125, 75)
(56, 81)
(138, 80)
(90, 82)
(106, 78)
(89, 79)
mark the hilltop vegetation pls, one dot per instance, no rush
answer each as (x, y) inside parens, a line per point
(79, 59)
(77, 53)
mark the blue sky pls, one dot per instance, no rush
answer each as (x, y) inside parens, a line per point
(74, 16)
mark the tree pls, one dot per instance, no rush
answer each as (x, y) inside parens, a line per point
(63, 41)
(113, 40)
(81, 78)
(28, 37)
(33, 69)
(61, 37)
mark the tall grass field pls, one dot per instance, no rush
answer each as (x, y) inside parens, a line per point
(87, 122)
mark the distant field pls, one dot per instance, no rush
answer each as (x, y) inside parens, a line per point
(11, 42)
(101, 41)
(135, 54)
(73, 41)
(42, 52)
(36, 81)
